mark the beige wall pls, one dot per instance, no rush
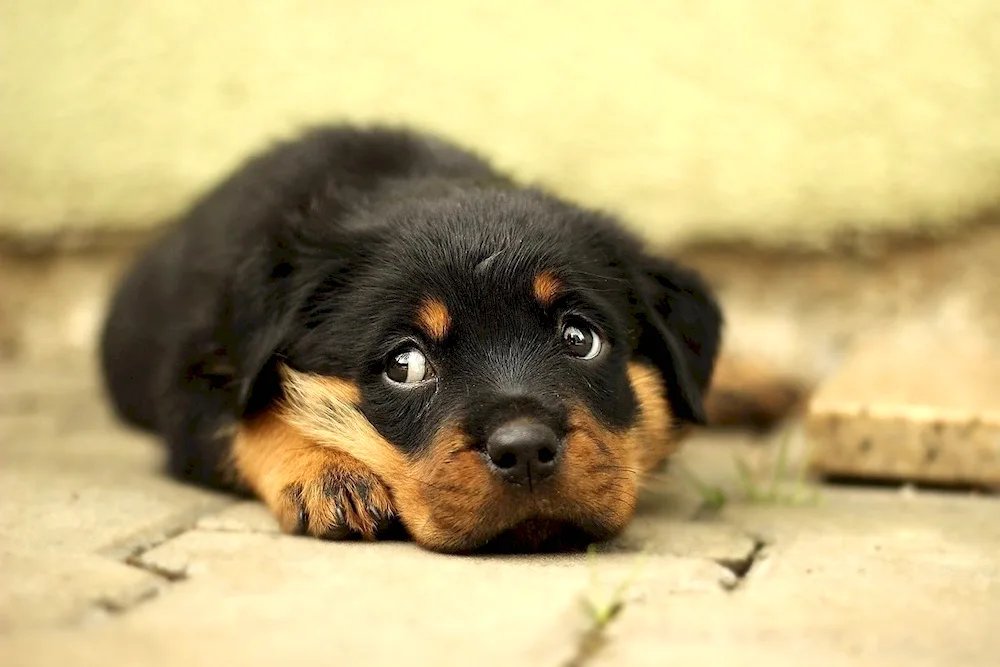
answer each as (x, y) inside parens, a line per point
(769, 118)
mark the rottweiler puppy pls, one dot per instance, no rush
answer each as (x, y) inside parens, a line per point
(364, 326)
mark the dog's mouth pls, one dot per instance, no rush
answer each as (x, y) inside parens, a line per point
(530, 532)
(531, 536)
(504, 529)
(539, 536)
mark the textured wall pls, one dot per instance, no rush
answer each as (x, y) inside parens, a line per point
(768, 118)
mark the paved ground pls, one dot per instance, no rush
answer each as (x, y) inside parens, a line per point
(104, 562)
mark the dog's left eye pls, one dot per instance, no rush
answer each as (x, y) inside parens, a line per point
(581, 340)
(408, 366)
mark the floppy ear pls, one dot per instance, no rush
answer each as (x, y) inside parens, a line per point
(681, 326)
(270, 300)
(266, 297)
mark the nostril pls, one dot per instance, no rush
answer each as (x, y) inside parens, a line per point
(507, 460)
(546, 455)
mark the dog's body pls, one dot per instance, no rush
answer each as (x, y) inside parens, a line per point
(364, 324)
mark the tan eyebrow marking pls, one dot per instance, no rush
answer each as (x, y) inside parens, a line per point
(434, 319)
(547, 287)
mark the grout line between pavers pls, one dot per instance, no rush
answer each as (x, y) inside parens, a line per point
(117, 606)
(165, 577)
(140, 542)
(741, 567)
(601, 616)
(593, 639)
(130, 553)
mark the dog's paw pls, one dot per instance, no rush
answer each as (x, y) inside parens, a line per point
(333, 497)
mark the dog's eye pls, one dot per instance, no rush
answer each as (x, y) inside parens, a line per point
(581, 340)
(408, 366)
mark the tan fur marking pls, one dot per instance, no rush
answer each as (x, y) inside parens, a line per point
(326, 412)
(652, 434)
(547, 287)
(434, 319)
(310, 488)
(439, 496)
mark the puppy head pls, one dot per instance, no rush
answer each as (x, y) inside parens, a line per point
(510, 366)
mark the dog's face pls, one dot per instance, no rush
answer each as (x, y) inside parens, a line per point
(505, 363)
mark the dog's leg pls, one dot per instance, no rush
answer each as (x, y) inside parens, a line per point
(753, 395)
(312, 489)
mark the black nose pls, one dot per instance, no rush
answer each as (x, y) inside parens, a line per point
(523, 452)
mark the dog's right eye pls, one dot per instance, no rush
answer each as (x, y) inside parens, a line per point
(408, 366)
(581, 341)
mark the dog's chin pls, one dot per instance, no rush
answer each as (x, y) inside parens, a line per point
(525, 535)
(536, 534)
(539, 535)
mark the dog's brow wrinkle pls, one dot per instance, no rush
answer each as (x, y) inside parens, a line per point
(484, 264)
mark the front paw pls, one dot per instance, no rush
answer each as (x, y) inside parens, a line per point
(335, 498)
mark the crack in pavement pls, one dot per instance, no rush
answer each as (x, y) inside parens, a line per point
(119, 604)
(170, 575)
(131, 552)
(139, 542)
(741, 566)
(124, 601)
(594, 638)
(592, 641)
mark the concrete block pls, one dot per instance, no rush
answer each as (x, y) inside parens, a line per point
(915, 404)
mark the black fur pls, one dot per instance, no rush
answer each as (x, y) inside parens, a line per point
(316, 253)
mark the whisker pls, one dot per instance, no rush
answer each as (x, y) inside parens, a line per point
(610, 467)
(436, 487)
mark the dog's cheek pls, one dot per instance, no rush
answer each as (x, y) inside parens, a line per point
(447, 498)
(604, 469)
(653, 437)
(600, 474)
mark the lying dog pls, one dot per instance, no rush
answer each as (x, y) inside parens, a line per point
(369, 325)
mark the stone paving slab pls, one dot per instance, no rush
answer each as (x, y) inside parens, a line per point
(78, 495)
(51, 511)
(864, 578)
(58, 590)
(381, 604)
